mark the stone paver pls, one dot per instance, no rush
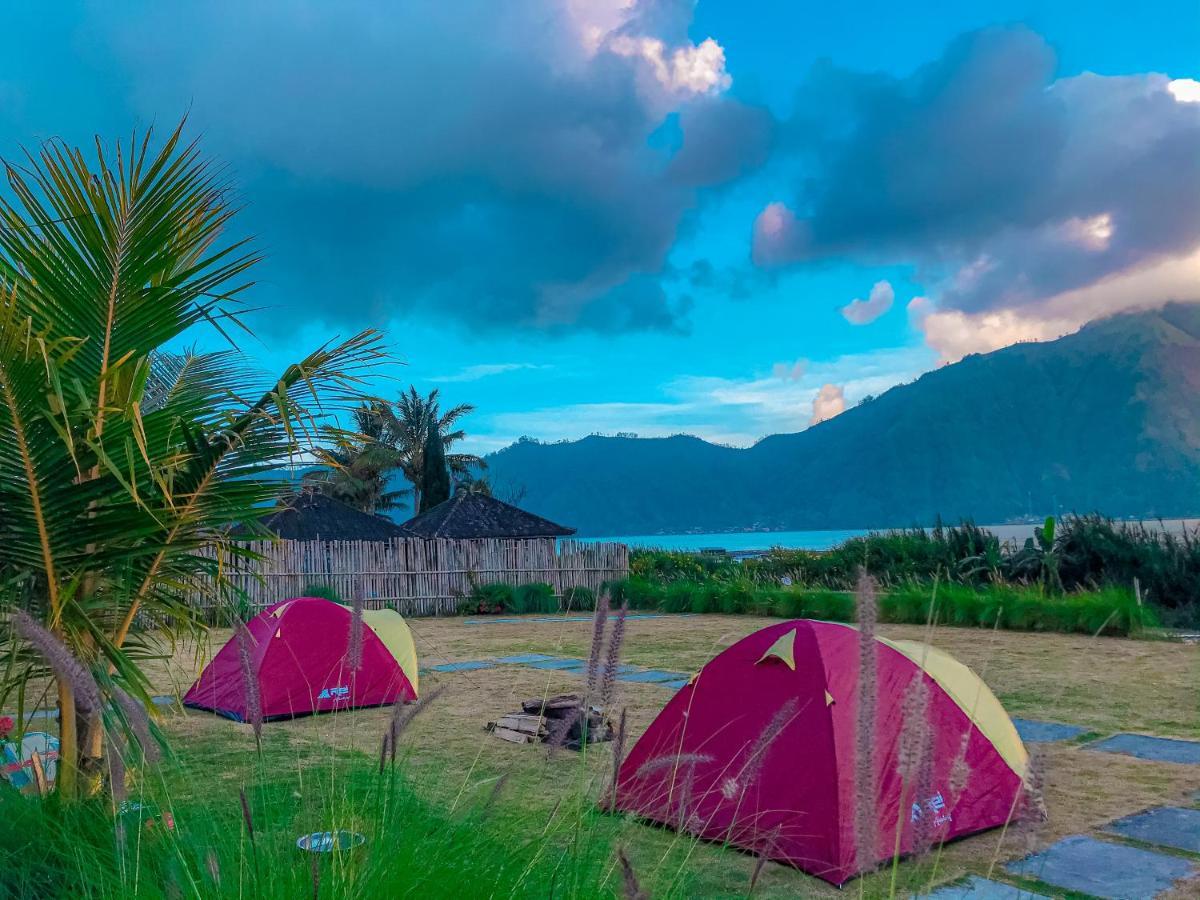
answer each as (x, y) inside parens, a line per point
(1033, 731)
(1102, 869)
(976, 888)
(470, 666)
(159, 700)
(560, 664)
(1167, 826)
(651, 676)
(1154, 748)
(524, 659)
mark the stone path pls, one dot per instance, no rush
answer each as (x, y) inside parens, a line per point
(1156, 748)
(976, 888)
(1103, 869)
(1166, 826)
(32, 715)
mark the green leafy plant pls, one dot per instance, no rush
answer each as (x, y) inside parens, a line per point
(323, 590)
(536, 597)
(123, 464)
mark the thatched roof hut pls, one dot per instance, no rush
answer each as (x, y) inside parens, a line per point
(470, 514)
(309, 516)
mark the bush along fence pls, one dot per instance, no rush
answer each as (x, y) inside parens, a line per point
(1074, 555)
(1108, 611)
(418, 576)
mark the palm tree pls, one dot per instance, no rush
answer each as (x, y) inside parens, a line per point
(356, 467)
(123, 467)
(410, 422)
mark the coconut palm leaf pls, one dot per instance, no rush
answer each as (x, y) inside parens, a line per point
(123, 466)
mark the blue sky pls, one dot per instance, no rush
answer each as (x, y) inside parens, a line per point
(654, 217)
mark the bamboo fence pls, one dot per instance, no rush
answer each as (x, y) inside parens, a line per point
(417, 576)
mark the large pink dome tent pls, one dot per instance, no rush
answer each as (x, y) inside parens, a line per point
(759, 750)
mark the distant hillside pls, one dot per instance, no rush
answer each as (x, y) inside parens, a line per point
(1106, 420)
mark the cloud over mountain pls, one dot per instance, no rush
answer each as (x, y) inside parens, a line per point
(1005, 187)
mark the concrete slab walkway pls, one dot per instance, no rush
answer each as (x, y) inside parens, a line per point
(1158, 749)
(1102, 869)
(976, 888)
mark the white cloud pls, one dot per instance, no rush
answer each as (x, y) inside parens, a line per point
(863, 312)
(1184, 90)
(829, 402)
(1093, 233)
(736, 411)
(954, 334)
(790, 371)
(485, 370)
(690, 69)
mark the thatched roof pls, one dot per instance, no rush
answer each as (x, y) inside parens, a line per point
(309, 516)
(470, 514)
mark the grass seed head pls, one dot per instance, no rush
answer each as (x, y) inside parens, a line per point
(865, 820)
(58, 656)
(254, 713)
(612, 659)
(599, 621)
(354, 644)
(139, 724)
(631, 889)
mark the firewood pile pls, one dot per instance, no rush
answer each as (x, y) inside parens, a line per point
(556, 720)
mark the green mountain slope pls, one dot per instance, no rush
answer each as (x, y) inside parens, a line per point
(1107, 419)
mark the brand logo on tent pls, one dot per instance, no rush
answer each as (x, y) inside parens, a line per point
(934, 806)
(335, 693)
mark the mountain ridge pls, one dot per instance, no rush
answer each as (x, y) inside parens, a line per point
(1105, 419)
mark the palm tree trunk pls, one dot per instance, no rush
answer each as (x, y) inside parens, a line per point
(68, 743)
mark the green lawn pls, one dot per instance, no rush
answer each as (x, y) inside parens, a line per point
(547, 800)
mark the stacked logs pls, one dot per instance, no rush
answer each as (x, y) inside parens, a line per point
(559, 720)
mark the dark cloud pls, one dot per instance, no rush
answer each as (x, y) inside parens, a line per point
(722, 140)
(489, 161)
(1003, 184)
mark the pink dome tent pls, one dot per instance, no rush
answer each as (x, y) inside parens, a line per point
(759, 750)
(298, 656)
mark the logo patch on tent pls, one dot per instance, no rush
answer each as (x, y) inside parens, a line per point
(934, 806)
(334, 693)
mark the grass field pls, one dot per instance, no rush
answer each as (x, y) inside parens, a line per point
(1103, 684)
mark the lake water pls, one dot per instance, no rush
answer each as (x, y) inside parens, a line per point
(747, 541)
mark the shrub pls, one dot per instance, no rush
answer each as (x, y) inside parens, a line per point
(639, 593)
(1079, 553)
(678, 597)
(579, 599)
(323, 590)
(492, 597)
(535, 597)
(1110, 611)
(677, 565)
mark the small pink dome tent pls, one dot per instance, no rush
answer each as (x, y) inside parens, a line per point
(759, 750)
(298, 654)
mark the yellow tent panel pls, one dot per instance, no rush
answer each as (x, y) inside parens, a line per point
(391, 628)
